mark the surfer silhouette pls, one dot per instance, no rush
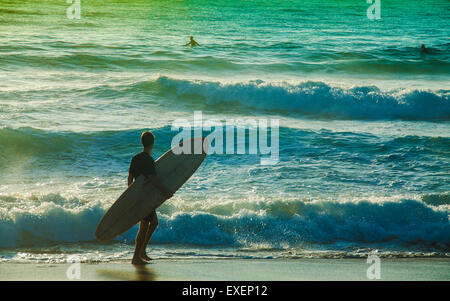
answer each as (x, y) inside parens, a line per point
(143, 163)
(192, 42)
(424, 50)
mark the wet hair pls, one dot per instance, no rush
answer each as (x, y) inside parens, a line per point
(147, 139)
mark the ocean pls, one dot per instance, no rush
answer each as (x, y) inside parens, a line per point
(364, 131)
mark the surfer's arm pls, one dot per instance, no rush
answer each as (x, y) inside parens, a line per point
(157, 183)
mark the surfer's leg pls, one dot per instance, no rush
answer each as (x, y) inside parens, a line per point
(151, 228)
(140, 237)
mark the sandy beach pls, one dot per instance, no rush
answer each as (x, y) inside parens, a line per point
(231, 269)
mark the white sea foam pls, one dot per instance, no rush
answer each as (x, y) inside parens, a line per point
(271, 223)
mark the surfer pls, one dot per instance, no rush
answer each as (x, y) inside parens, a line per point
(192, 42)
(143, 163)
(424, 50)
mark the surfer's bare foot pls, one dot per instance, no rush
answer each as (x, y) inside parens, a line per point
(145, 257)
(138, 261)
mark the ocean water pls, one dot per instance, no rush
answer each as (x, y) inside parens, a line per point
(364, 137)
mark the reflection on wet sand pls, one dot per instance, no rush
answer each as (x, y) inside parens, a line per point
(141, 273)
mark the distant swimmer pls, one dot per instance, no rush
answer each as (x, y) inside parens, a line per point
(192, 42)
(424, 50)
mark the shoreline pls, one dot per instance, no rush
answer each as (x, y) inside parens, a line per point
(403, 269)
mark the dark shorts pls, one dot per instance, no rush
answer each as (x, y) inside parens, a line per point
(149, 217)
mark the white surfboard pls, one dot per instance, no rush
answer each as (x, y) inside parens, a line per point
(140, 199)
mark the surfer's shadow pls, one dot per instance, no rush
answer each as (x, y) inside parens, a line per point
(141, 273)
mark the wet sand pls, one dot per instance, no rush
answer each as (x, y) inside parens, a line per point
(234, 269)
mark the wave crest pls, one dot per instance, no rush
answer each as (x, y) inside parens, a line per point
(314, 99)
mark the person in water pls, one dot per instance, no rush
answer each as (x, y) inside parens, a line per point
(424, 50)
(143, 164)
(192, 42)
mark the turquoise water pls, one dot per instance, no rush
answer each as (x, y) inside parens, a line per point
(364, 125)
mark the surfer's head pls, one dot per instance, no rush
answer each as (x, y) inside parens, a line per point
(147, 139)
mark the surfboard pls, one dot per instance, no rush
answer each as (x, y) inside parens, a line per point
(173, 169)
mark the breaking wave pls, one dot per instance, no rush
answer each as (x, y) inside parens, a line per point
(273, 224)
(309, 99)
